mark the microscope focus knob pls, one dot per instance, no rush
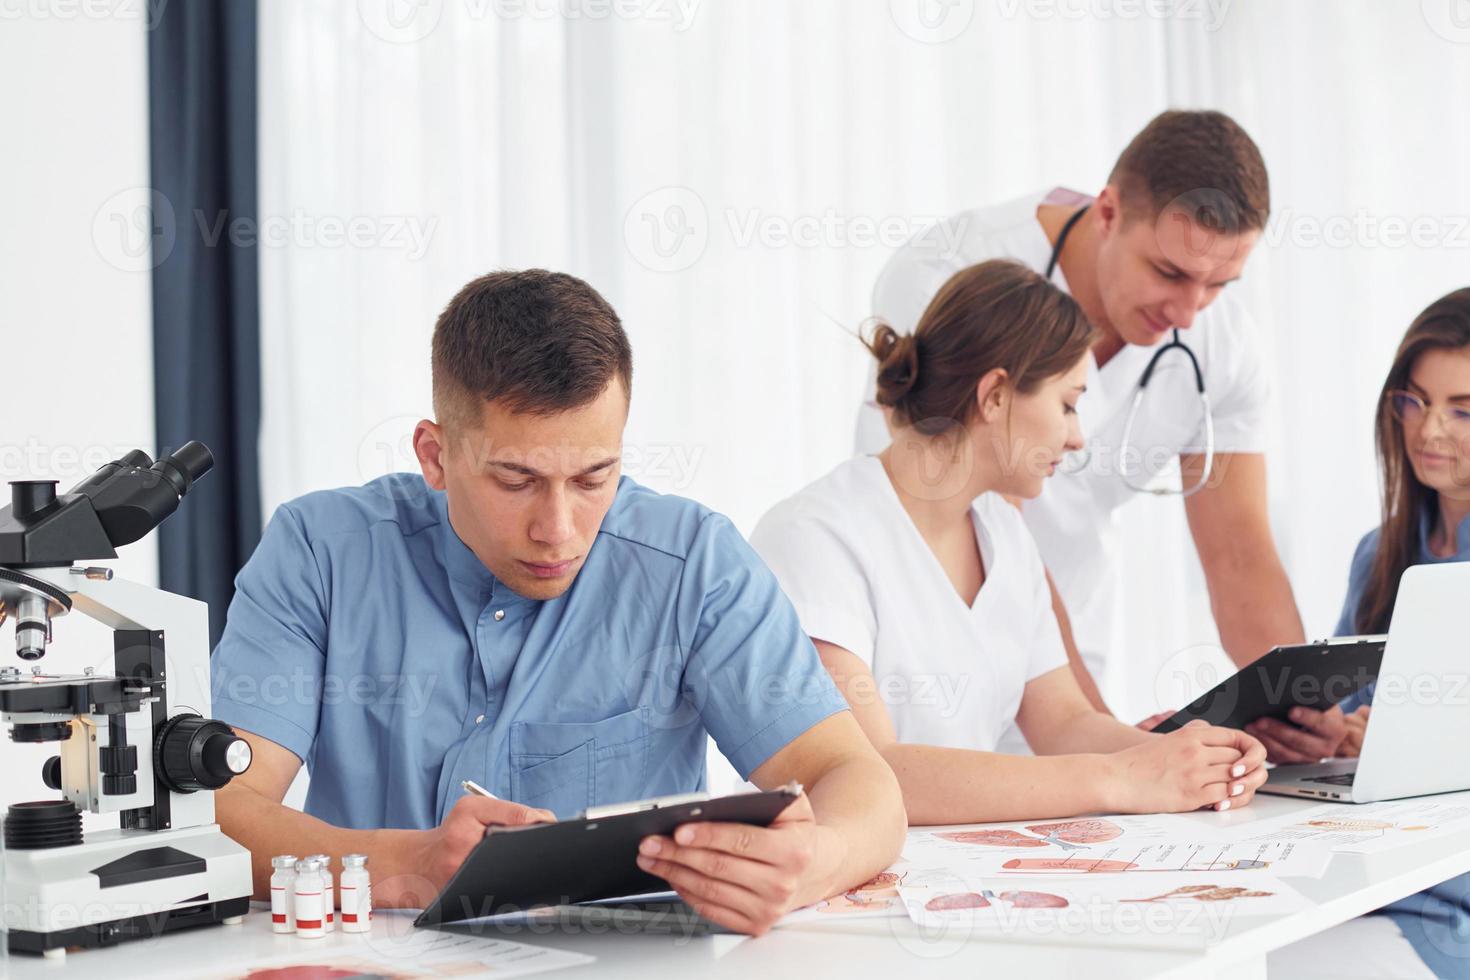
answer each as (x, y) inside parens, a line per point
(197, 753)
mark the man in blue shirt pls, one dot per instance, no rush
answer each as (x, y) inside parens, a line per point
(521, 616)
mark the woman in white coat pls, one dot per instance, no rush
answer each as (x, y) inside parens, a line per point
(917, 580)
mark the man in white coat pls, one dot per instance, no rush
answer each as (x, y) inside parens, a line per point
(1147, 259)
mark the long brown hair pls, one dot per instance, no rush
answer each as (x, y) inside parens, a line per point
(997, 314)
(1444, 325)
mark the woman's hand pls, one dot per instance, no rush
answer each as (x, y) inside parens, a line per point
(1357, 726)
(1193, 767)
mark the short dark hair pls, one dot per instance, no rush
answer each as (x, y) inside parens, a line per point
(1200, 160)
(535, 341)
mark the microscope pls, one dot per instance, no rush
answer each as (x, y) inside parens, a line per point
(138, 743)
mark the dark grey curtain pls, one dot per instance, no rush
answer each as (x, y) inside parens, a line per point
(206, 344)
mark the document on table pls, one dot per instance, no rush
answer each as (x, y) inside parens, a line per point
(1108, 845)
(1147, 846)
(402, 953)
(1164, 909)
(876, 898)
(1365, 827)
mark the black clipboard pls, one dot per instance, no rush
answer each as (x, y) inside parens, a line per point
(590, 858)
(1313, 675)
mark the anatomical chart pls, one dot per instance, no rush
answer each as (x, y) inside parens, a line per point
(874, 899)
(1365, 827)
(1106, 845)
(1122, 905)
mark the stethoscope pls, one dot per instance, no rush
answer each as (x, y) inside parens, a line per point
(1175, 343)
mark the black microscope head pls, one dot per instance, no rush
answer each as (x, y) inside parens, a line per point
(117, 505)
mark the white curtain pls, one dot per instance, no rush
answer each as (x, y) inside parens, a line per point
(731, 174)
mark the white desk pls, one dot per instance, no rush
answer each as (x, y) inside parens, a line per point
(892, 949)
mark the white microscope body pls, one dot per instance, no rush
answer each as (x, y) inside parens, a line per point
(138, 742)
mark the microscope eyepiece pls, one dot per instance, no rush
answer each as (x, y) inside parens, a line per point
(184, 467)
(30, 497)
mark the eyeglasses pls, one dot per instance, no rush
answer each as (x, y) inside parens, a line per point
(1410, 409)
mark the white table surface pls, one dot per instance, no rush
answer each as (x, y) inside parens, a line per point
(891, 948)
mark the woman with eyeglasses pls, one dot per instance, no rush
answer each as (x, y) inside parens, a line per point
(925, 594)
(1423, 438)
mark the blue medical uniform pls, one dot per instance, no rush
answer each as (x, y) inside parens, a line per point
(367, 638)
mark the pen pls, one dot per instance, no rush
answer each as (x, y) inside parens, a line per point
(470, 786)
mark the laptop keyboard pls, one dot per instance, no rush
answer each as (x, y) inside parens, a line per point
(1341, 779)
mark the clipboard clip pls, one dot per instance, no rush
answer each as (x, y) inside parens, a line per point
(662, 802)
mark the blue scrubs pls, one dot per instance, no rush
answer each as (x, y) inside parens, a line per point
(367, 638)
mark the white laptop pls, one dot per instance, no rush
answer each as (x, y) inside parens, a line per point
(1420, 722)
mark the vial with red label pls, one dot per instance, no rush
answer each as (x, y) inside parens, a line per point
(283, 893)
(357, 894)
(329, 892)
(311, 912)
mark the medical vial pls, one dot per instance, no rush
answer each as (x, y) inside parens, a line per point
(329, 891)
(357, 894)
(283, 893)
(310, 902)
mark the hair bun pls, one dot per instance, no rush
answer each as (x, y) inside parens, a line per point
(898, 364)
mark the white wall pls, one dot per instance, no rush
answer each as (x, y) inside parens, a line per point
(650, 155)
(75, 314)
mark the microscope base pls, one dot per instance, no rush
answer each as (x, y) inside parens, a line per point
(123, 885)
(55, 944)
